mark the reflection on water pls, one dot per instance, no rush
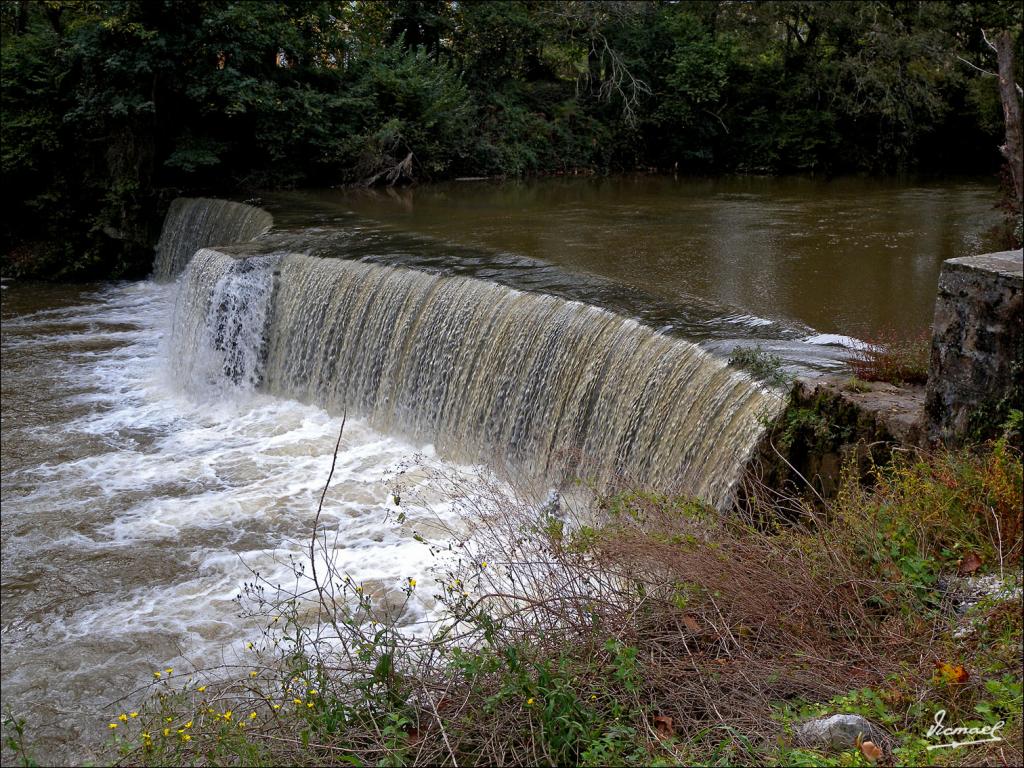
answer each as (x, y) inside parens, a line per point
(851, 256)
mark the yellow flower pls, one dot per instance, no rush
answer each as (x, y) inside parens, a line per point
(593, 697)
(168, 719)
(529, 702)
(310, 704)
(112, 726)
(248, 646)
(227, 714)
(145, 735)
(156, 675)
(359, 589)
(483, 564)
(252, 715)
(277, 706)
(201, 688)
(123, 717)
(167, 731)
(412, 582)
(253, 673)
(186, 737)
(133, 714)
(312, 691)
(169, 670)
(188, 724)
(296, 701)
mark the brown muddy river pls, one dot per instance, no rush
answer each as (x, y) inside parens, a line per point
(849, 256)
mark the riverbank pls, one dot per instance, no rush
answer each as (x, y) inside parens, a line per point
(643, 630)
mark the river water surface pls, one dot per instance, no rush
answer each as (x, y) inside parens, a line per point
(134, 511)
(849, 256)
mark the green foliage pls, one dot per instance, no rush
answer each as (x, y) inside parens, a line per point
(409, 103)
(640, 506)
(113, 107)
(809, 426)
(14, 739)
(762, 365)
(958, 501)
(856, 385)
(1001, 416)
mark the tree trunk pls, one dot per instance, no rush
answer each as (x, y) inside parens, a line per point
(594, 68)
(1013, 149)
(53, 13)
(21, 21)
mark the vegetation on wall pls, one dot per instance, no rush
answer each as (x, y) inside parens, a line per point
(112, 107)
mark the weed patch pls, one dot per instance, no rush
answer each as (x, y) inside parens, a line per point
(762, 365)
(893, 357)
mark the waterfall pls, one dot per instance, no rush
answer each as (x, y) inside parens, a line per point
(551, 387)
(197, 222)
(219, 327)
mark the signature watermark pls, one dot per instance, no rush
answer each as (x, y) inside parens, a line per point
(981, 734)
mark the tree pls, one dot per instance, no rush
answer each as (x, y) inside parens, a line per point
(1010, 93)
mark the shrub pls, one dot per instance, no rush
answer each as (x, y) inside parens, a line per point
(762, 365)
(893, 357)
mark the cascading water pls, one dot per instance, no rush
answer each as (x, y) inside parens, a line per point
(549, 387)
(197, 222)
(221, 322)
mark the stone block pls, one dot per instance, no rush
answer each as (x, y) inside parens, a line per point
(975, 370)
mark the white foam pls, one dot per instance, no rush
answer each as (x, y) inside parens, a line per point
(153, 507)
(836, 340)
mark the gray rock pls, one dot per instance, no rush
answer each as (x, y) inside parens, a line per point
(838, 732)
(977, 342)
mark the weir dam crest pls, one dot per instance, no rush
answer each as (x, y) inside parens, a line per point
(552, 388)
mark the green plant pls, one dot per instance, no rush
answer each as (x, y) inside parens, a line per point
(14, 739)
(761, 364)
(808, 425)
(1000, 416)
(857, 385)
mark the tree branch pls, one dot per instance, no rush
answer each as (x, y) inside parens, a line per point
(988, 42)
(975, 67)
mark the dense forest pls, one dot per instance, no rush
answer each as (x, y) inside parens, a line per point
(113, 107)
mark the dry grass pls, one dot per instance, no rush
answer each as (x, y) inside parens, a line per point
(894, 357)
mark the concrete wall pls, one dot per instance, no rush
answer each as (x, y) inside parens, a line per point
(975, 371)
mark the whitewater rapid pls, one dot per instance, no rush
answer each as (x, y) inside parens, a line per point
(133, 512)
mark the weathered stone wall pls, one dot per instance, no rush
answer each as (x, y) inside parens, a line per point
(832, 422)
(975, 371)
(975, 377)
